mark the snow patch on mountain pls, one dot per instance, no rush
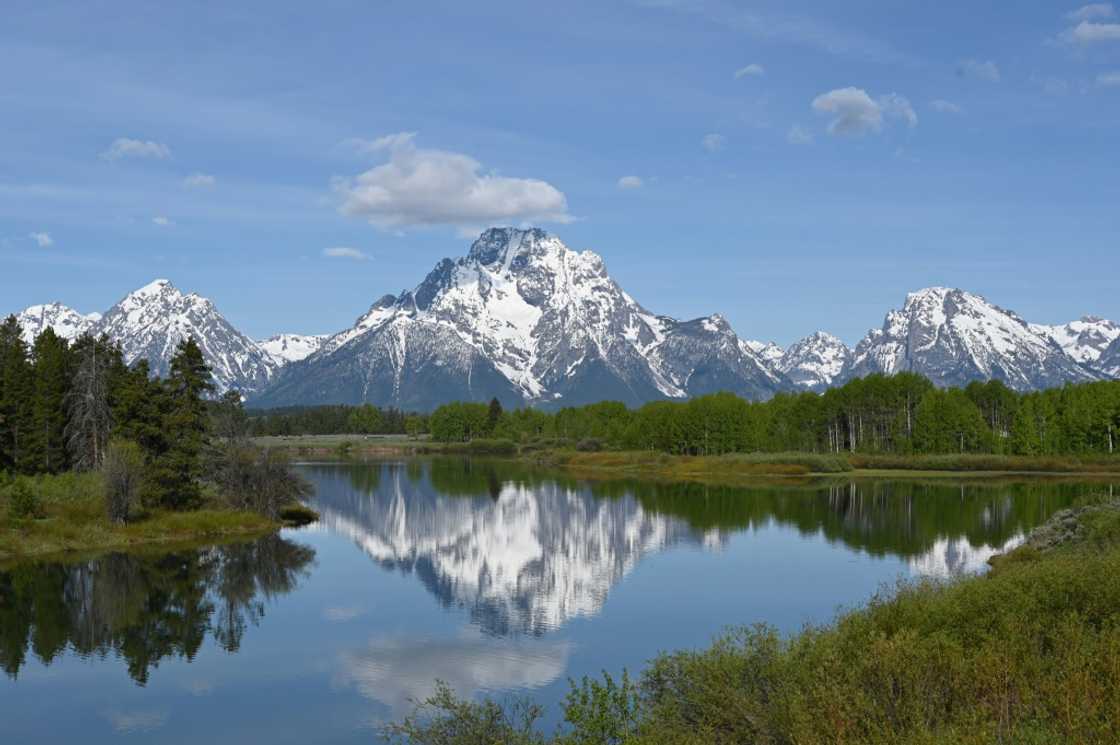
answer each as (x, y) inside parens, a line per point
(285, 348)
(66, 322)
(1085, 339)
(815, 361)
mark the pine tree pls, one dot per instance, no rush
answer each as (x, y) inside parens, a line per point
(51, 355)
(16, 396)
(493, 415)
(174, 474)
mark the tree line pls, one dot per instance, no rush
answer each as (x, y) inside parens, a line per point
(897, 414)
(365, 419)
(158, 441)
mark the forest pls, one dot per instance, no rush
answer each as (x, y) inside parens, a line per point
(154, 443)
(900, 414)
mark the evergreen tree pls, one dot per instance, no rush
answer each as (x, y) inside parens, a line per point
(51, 355)
(174, 474)
(16, 393)
(493, 416)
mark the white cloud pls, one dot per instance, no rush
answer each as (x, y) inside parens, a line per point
(630, 182)
(1091, 11)
(751, 71)
(199, 181)
(942, 106)
(898, 106)
(163, 222)
(1109, 79)
(124, 147)
(136, 721)
(345, 252)
(419, 187)
(1086, 33)
(341, 614)
(971, 68)
(799, 135)
(856, 113)
(713, 142)
(43, 239)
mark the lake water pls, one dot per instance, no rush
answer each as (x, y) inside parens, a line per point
(494, 578)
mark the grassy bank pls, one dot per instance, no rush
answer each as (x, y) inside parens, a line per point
(69, 515)
(1029, 653)
(713, 469)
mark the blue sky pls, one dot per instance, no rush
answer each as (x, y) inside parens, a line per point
(793, 165)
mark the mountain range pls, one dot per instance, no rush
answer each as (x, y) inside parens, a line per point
(527, 320)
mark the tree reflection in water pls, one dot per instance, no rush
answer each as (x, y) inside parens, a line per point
(144, 608)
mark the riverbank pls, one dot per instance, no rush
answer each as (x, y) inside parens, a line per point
(709, 469)
(1028, 653)
(69, 516)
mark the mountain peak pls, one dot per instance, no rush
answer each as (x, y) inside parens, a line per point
(500, 245)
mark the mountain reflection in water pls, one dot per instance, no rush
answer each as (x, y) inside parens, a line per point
(524, 552)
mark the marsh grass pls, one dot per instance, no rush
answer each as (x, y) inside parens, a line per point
(73, 517)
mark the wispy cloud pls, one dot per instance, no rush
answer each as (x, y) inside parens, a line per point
(136, 721)
(123, 147)
(854, 112)
(419, 187)
(1087, 33)
(800, 30)
(199, 181)
(750, 71)
(713, 142)
(1091, 11)
(941, 106)
(345, 252)
(43, 239)
(340, 614)
(987, 71)
(1109, 79)
(630, 182)
(799, 135)
(163, 222)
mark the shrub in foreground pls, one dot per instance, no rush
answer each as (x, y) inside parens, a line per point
(1027, 654)
(123, 470)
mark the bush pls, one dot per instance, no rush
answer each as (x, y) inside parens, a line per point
(258, 479)
(491, 447)
(123, 469)
(589, 445)
(23, 499)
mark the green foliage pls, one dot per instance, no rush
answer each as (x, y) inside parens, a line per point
(23, 502)
(445, 719)
(459, 422)
(365, 420)
(257, 479)
(123, 470)
(601, 712)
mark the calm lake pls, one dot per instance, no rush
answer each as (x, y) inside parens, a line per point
(491, 577)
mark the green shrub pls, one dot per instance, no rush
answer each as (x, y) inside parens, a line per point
(23, 501)
(123, 469)
(589, 445)
(491, 447)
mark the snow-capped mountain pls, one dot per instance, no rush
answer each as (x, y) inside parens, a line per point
(767, 351)
(1109, 362)
(285, 348)
(63, 320)
(815, 361)
(150, 322)
(954, 337)
(525, 319)
(1085, 339)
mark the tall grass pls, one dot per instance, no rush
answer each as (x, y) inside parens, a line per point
(1022, 463)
